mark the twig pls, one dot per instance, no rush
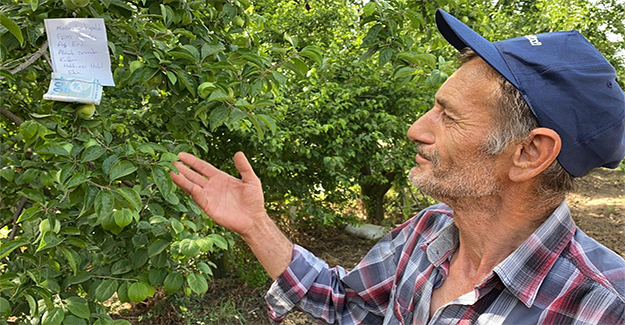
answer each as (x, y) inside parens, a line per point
(17, 213)
(8, 114)
(99, 186)
(45, 56)
(31, 60)
(112, 278)
(131, 53)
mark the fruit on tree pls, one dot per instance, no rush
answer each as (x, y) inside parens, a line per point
(85, 111)
(134, 65)
(239, 21)
(69, 4)
(44, 226)
(80, 3)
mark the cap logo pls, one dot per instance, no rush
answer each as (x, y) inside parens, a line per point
(533, 40)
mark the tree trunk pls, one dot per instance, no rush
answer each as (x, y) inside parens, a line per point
(374, 203)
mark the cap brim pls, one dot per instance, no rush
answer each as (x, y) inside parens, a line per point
(461, 36)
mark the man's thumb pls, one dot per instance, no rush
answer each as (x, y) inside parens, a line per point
(244, 168)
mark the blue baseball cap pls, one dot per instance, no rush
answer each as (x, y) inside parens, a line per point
(570, 87)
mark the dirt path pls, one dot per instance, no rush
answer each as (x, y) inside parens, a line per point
(598, 208)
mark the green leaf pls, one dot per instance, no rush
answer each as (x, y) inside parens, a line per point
(210, 49)
(157, 276)
(157, 247)
(418, 59)
(120, 322)
(48, 241)
(105, 290)
(76, 180)
(169, 156)
(372, 36)
(139, 258)
(403, 72)
(218, 116)
(259, 128)
(5, 308)
(197, 283)
(122, 292)
(123, 217)
(53, 317)
(73, 259)
(268, 121)
(138, 291)
(131, 196)
(78, 306)
(205, 244)
(29, 213)
(187, 80)
(73, 320)
(14, 29)
(33, 195)
(104, 203)
(7, 174)
(173, 282)
(8, 247)
(172, 77)
(122, 169)
(176, 225)
(81, 277)
(162, 180)
(385, 55)
(92, 153)
(218, 94)
(218, 240)
(312, 52)
(204, 268)
(51, 148)
(122, 266)
(188, 247)
(369, 9)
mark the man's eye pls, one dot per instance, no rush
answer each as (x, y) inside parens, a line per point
(447, 117)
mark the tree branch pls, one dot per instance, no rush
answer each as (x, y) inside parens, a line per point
(8, 114)
(17, 213)
(41, 51)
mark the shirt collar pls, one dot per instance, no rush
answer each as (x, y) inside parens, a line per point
(523, 271)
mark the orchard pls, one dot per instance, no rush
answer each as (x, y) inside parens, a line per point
(318, 94)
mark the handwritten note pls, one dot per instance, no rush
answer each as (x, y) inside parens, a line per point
(78, 47)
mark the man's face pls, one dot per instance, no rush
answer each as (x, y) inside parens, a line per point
(450, 138)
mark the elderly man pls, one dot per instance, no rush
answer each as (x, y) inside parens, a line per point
(508, 132)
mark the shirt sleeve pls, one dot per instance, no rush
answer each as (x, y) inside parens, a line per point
(332, 295)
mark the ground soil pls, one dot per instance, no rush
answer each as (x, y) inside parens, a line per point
(597, 206)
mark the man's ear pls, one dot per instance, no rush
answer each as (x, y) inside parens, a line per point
(533, 156)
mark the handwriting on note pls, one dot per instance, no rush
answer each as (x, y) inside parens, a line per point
(78, 47)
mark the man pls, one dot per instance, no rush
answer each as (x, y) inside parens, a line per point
(509, 130)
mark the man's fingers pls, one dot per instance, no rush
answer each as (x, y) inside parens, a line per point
(180, 180)
(191, 175)
(199, 165)
(244, 168)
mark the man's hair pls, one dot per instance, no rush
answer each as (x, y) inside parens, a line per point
(513, 121)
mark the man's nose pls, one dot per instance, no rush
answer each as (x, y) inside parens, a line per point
(421, 129)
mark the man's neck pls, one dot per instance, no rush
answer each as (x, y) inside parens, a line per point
(491, 228)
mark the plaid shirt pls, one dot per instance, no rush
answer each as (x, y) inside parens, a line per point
(559, 275)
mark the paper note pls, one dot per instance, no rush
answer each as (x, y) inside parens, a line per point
(78, 47)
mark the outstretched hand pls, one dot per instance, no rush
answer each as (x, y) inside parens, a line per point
(236, 204)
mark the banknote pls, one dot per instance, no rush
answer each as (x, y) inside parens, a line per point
(66, 88)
